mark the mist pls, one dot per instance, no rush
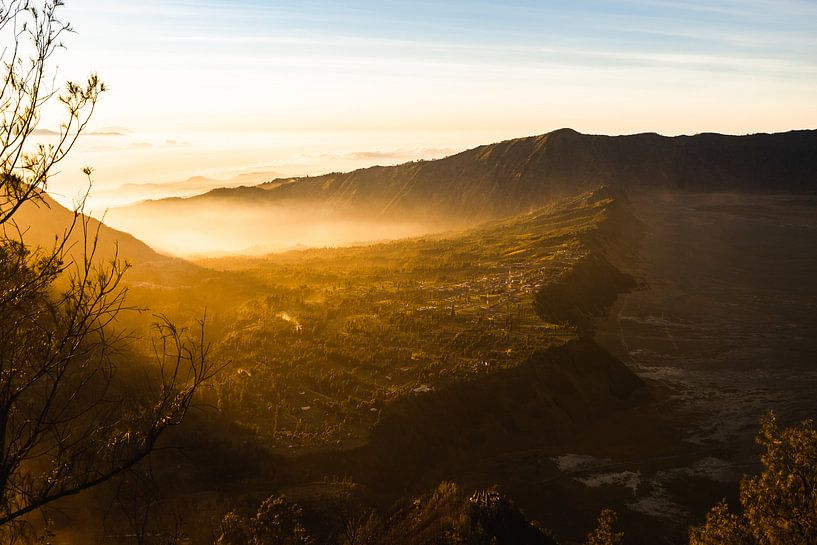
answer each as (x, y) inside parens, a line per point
(131, 165)
(221, 227)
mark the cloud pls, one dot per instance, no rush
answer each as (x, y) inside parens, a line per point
(49, 132)
(396, 154)
(402, 154)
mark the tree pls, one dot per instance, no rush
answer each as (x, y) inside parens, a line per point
(605, 533)
(277, 522)
(779, 505)
(721, 528)
(448, 516)
(65, 424)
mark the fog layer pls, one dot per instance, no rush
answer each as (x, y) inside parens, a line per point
(223, 227)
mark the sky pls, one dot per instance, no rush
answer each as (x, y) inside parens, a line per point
(300, 87)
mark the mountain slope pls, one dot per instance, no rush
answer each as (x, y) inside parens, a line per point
(44, 221)
(521, 174)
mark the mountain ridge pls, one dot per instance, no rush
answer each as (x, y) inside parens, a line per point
(518, 175)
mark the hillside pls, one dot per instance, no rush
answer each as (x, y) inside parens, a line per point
(42, 222)
(333, 336)
(518, 175)
(395, 364)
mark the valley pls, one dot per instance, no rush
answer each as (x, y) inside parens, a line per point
(482, 184)
(331, 273)
(397, 365)
(331, 337)
(613, 347)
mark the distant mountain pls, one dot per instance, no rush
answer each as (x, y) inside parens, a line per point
(192, 186)
(518, 175)
(203, 183)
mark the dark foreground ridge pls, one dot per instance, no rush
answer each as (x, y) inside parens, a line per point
(542, 402)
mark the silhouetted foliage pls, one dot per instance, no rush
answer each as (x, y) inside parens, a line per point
(447, 516)
(277, 522)
(65, 424)
(605, 533)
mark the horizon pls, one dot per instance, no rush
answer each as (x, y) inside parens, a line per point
(186, 181)
(302, 89)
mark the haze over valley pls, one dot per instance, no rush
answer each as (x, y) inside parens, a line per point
(461, 190)
(490, 283)
(342, 273)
